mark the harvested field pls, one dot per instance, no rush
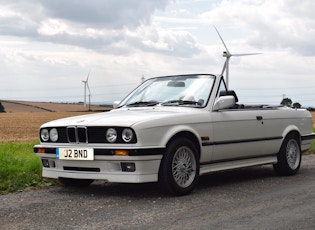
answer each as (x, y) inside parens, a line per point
(22, 120)
(21, 106)
(61, 107)
(23, 127)
(17, 108)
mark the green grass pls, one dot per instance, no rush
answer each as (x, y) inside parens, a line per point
(20, 169)
(312, 148)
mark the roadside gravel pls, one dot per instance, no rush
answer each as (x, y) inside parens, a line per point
(253, 198)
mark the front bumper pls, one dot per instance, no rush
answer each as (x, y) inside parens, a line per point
(111, 168)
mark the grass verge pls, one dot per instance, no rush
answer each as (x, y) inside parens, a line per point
(312, 148)
(20, 169)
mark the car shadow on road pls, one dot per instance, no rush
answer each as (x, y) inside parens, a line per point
(238, 176)
(101, 188)
(207, 183)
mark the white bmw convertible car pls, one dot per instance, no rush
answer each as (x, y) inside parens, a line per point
(171, 130)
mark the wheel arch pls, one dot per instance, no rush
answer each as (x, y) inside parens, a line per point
(189, 135)
(292, 130)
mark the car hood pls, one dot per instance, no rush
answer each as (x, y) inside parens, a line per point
(124, 117)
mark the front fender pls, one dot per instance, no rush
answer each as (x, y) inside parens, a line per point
(160, 136)
(178, 129)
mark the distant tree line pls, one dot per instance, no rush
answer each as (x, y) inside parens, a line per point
(288, 102)
(2, 110)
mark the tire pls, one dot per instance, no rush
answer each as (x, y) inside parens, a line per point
(289, 156)
(179, 170)
(69, 182)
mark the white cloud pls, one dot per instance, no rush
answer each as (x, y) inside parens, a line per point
(52, 27)
(273, 24)
(49, 46)
(109, 13)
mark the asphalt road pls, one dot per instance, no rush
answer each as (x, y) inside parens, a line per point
(253, 198)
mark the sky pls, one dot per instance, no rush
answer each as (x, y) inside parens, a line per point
(47, 47)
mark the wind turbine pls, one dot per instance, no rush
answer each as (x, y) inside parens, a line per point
(228, 55)
(86, 86)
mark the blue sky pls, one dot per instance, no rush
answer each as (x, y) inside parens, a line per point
(48, 47)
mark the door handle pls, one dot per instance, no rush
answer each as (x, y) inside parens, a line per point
(259, 118)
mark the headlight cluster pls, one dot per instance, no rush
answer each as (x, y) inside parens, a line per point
(126, 135)
(111, 135)
(83, 134)
(46, 135)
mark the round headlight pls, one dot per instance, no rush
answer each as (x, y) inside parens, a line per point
(53, 134)
(111, 135)
(127, 135)
(44, 134)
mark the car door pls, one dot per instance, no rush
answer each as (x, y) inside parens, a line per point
(237, 134)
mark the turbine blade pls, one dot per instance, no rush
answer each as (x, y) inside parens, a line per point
(228, 52)
(88, 76)
(87, 85)
(245, 54)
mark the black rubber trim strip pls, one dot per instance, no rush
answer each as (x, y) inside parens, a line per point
(238, 159)
(308, 137)
(81, 169)
(242, 141)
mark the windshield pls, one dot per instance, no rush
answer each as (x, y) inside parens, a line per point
(182, 90)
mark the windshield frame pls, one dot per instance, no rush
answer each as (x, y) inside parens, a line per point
(128, 102)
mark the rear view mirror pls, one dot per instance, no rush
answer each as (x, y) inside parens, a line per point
(176, 84)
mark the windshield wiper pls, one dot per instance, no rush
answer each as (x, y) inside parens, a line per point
(142, 103)
(180, 102)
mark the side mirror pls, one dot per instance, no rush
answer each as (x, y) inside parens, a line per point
(224, 102)
(116, 104)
